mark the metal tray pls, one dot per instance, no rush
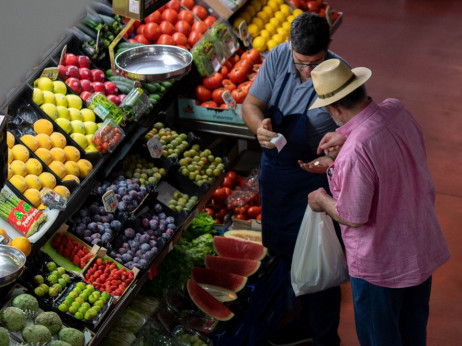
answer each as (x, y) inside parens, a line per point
(154, 63)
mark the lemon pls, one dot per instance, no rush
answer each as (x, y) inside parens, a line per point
(44, 155)
(33, 182)
(283, 31)
(268, 10)
(10, 155)
(271, 44)
(58, 140)
(10, 172)
(280, 2)
(246, 16)
(285, 9)
(297, 12)
(286, 25)
(19, 183)
(275, 22)
(10, 139)
(290, 18)
(71, 177)
(238, 22)
(61, 100)
(43, 83)
(72, 168)
(33, 196)
(37, 96)
(263, 16)
(65, 124)
(58, 168)
(265, 34)
(50, 110)
(72, 153)
(47, 179)
(280, 16)
(256, 5)
(271, 28)
(74, 101)
(277, 38)
(20, 152)
(30, 141)
(58, 154)
(44, 141)
(34, 166)
(62, 190)
(254, 30)
(49, 97)
(19, 168)
(273, 5)
(43, 126)
(259, 43)
(59, 87)
(258, 22)
(250, 10)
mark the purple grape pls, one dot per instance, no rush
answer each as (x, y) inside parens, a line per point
(97, 218)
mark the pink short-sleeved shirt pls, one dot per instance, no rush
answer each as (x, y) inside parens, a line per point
(381, 179)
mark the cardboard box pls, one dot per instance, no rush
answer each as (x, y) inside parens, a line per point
(187, 109)
(136, 9)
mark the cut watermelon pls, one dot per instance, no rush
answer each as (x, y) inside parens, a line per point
(244, 234)
(232, 282)
(237, 248)
(219, 293)
(244, 267)
(207, 303)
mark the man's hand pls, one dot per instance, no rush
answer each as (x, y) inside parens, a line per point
(316, 198)
(331, 142)
(319, 165)
(265, 134)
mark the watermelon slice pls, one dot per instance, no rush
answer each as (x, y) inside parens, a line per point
(253, 236)
(244, 267)
(232, 282)
(219, 293)
(237, 248)
(207, 303)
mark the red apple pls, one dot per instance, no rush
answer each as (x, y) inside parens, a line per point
(74, 84)
(111, 88)
(73, 71)
(85, 73)
(62, 72)
(99, 87)
(70, 59)
(83, 61)
(85, 95)
(114, 99)
(86, 85)
(121, 97)
(98, 75)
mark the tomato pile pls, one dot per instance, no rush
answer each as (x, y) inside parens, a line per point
(84, 81)
(106, 138)
(172, 24)
(72, 249)
(236, 75)
(237, 196)
(317, 6)
(106, 277)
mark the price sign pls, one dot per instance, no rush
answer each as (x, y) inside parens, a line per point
(155, 147)
(110, 201)
(50, 72)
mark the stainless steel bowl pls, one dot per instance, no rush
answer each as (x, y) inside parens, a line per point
(12, 262)
(154, 63)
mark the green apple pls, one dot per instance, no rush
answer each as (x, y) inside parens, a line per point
(80, 139)
(75, 114)
(65, 124)
(90, 127)
(77, 127)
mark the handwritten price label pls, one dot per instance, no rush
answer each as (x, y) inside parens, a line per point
(110, 201)
(155, 147)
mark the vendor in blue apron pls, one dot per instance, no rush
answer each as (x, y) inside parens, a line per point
(276, 107)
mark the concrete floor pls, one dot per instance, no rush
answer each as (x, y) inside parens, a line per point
(414, 49)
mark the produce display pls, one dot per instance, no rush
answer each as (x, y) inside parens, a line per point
(105, 276)
(237, 248)
(69, 248)
(138, 167)
(52, 282)
(173, 143)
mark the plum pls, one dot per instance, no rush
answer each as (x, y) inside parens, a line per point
(87, 233)
(153, 243)
(171, 226)
(121, 206)
(136, 259)
(122, 190)
(145, 247)
(126, 257)
(95, 241)
(96, 218)
(162, 228)
(154, 224)
(170, 219)
(104, 219)
(116, 225)
(93, 209)
(158, 208)
(144, 238)
(83, 212)
(110, 217)
(129, 233)
(106, 237)
(87, 239)
(142, 262)
(122, 250)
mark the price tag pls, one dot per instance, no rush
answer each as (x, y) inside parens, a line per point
(155, 147)
(110, 201)
(244, 33)
(229, 100)
(50, 72)
(63, 53)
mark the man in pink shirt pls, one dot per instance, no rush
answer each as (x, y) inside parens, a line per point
(383, 197)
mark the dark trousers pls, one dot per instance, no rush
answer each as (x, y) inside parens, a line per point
(320, 313)
(391, 316)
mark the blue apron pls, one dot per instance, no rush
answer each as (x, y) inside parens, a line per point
(284, 186)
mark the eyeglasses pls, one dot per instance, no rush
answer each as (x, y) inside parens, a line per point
(302, 66)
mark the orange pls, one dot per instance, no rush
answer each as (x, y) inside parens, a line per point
(4, 235)
(21, 243)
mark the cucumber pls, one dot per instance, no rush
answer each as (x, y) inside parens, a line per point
(151, 88)
(124, 88)
(167, 84)
(154, 97)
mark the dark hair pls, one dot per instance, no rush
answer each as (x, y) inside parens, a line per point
(309, 34)
(352, 99)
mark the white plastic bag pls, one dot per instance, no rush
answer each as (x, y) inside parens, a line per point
(318, 262)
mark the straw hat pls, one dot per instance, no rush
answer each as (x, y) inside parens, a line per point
(333, 80)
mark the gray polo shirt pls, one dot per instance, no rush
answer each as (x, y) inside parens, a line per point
(295, 96)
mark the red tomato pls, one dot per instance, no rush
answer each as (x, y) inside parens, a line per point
(193, 37)
(200, 26)
(227, 182)
(239, 95)
(223, 106)
(188, 3)
(210, 20)
(200, 12)
(252, 76)
(209, 104)
(240, 216)
(234, 59)
(217, 95)
(237, 75)
(203, 94)
(222, 213)
(179, 39)
(245, 85)
(141, 39)
(228, 64)
(154, 17)
(186, 16)
(152, 31)
(170, 15)
(219, 194)
(229, 85)
(224, 71)
(129, 32)
(183, 26)
(174, 5)
(165, 39)
(209, 211)
(231, 175)
(244, 63)
(254, 56)
(214, 81)
(258, 217)
(312, 6)
(140, 29)
(254, 211)
(167, 28)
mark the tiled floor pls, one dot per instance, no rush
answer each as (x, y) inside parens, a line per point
(414, 49)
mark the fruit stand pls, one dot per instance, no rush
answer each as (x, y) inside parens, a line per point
(118, 174)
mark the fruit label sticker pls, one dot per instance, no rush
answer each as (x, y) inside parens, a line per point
(155, 147)
(110, 201)
(244, 33)
(229, 100)
(50, 72)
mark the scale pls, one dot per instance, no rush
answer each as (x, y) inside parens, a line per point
(150, 63)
